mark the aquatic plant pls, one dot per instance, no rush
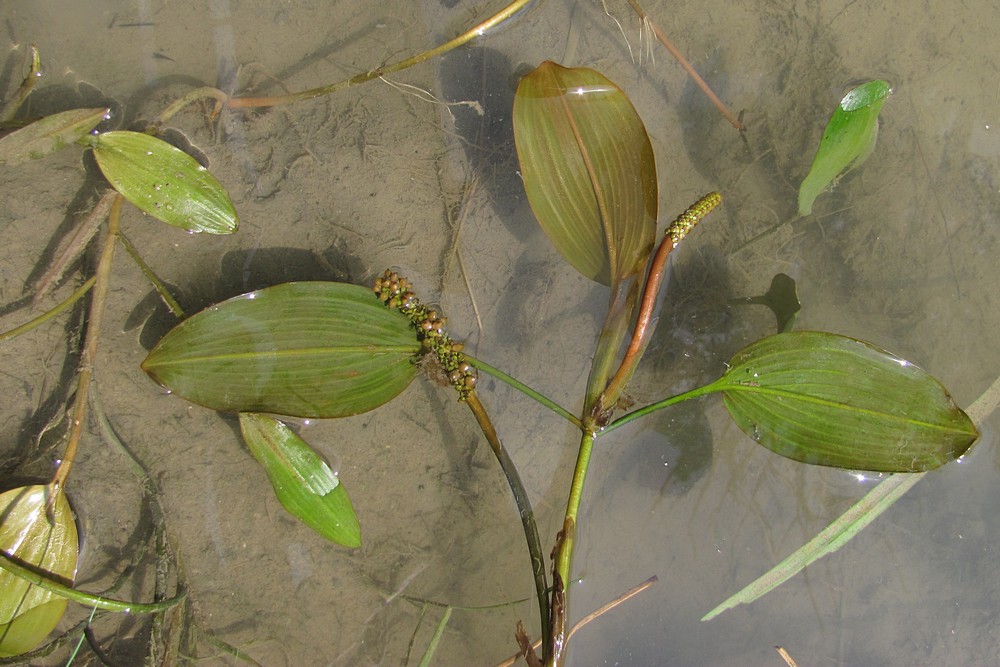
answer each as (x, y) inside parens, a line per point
(328, 350)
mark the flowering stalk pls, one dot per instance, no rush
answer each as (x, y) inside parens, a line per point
(396, 291)
(644, 323)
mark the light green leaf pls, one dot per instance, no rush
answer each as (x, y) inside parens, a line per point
(848, 140)
(831, 400)
(48, 135)
(28, 613)
(302, 480)
(164, 181)
(310, 349)
(588, 169)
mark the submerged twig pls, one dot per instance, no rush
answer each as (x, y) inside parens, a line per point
(87, 358)
(34, 71)
(456, 250)
(85, 232)
(504, 14)
(688, 67)
(597, 613)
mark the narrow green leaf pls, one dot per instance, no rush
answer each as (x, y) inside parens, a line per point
(164, 181)
(831, 538)
(302, 480)
(310, 349)
(48, 135)
(848, 140)
(588, 169)
(28, 613)
(831, 400)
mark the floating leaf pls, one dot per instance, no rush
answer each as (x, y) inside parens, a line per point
(302, 480)
(831, 400)
(164, 181)
(309, 349)
(48, 135)
(29, 613)
(588, 169)
(848, 140)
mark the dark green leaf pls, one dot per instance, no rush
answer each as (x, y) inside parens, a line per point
(831, 400)
(588, 169)
(29, 613)
(848, 140)
(311, 349)
(164, 181)
(48, 135)
(302, 480)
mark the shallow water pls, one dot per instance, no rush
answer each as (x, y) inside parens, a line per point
(901, 253)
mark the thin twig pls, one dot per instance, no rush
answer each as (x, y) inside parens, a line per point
(591, 616)
(456, 250)
(679, 57)
(507, 12)
(85, 232)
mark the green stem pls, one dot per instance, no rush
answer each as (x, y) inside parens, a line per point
(49, 314)
(526, 390)
(428, 656)
(151, 276)
(523, 507)
(507, 12)
(11, 565)
(555, 652)
(665, 403)
(613, 332)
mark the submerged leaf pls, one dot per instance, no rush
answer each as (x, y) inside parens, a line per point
(831, 400)
(302, 480)
(588, 169)
(29, 613)
(831, 538)
(310, 349)
(848, 140)
(164, 181)
(49, 135)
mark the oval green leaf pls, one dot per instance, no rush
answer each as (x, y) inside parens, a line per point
(848, 140)
(49, 135)
(831, 400)
(588, 169)
(164, 181)
(309, 349)
(302, 480)
(29, 613)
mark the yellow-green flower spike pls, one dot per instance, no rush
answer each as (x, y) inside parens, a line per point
(686, 221)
